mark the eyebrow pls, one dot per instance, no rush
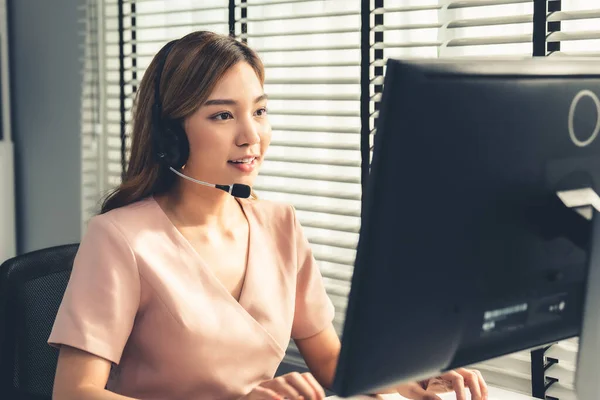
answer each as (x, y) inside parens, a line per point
(230, 102)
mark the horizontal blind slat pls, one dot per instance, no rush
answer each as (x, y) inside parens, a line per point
(573, 15)
(323, 177)
(325, 46)
(307, 128)
(478, 41)
(326, 209)
(483, 3)
(349, 245)
(316, 113)
(316, 161)
(465, 23)
(322, 256)
(405, 8)
(582, 54)
(313, 81)
(299, 32)
(564, 36)
(483, 22)
(316, 96)
(312, 64)
(306, 191)
(271, 3)
(405, 27)
(406, 44)
(316, 145)
(295, 16)
(348, 227)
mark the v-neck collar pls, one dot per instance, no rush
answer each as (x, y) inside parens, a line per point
(244, 304)
(204, 265)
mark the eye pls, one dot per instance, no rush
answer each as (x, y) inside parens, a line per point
(261, 112)
(222, 116)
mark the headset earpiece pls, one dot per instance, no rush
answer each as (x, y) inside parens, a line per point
(176, 145)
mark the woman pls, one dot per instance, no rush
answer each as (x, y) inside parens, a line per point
(189, 292)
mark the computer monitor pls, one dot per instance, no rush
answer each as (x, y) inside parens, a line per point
(467, 251)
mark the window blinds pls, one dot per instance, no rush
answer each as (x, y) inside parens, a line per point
(311, 51)
(574, 28)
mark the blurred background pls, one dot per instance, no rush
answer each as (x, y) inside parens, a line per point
(70, 68)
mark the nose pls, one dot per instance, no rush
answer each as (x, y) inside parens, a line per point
(249, 132)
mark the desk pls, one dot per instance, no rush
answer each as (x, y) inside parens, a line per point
(494, 394)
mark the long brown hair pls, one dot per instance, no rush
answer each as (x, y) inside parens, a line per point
(193, 67)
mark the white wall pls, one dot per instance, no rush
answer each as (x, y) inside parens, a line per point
(7, 201)
(45, 52)
(7, 184)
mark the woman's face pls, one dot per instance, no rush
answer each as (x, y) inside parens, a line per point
(230, 133)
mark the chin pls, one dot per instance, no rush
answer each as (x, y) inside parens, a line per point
(249, 182)
(246, 180)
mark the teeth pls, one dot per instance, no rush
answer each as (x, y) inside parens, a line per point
(244, 161)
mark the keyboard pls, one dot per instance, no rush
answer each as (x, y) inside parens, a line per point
(494, 394)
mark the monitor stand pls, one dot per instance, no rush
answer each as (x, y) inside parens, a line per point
(587, 378)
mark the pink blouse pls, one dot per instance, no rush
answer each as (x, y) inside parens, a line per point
(141, 297)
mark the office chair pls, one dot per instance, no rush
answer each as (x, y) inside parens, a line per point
(31, 289)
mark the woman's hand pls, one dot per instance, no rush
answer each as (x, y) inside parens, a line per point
(454, 381)
(290, 386)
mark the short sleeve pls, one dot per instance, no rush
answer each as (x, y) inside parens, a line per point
(314, 310)
(102, 297)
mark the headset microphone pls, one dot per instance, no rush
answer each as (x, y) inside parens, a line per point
(236, 190)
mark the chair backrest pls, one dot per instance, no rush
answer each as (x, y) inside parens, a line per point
(32, 286)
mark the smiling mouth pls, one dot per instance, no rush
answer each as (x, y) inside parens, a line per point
(248, 160)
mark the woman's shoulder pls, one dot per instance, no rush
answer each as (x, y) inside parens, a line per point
(128, 219)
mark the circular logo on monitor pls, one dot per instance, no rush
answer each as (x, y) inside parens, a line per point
(574, 104)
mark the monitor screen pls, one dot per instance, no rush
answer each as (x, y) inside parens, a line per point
(466, 252)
